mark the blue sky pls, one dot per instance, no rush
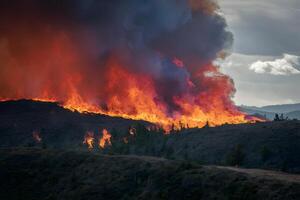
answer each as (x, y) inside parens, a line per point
(265, 62)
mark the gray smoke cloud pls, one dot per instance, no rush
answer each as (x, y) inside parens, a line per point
(145, 35)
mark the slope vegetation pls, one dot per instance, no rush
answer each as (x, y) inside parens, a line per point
(39, 174)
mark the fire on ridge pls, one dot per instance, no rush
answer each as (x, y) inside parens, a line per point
(154, 63)
(103, 141)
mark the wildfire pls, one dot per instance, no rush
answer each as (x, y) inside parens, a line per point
(137, 101)
(89, 139)
(105, 140)
(36, 136)
(98, 58)
(125, 140)
(132, 131)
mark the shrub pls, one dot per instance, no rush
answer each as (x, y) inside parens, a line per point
(236, 156)
(265, 153)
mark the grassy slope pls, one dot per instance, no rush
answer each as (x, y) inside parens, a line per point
(213, 145)
(40, 174)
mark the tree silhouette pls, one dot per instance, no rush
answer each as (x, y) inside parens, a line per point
(276, 119)
(236, 156)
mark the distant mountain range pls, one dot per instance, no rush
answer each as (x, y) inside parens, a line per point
(292, 111)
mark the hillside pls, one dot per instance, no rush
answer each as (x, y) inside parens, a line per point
(270, 145)
(283, 108)
(294, 115)
(59, 127)
(257, 111)
(292, 111)
(39, 174)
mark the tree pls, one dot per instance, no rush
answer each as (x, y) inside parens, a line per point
(265, 153)
(280, 118)
(207, 125)
(276, 119)
(236, 156)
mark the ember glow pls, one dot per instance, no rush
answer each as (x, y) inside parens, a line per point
(105, 140)
(144, 60)
(132, 131)
(36, 136)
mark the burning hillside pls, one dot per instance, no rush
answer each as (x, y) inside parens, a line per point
(149, 60)
(89, 139)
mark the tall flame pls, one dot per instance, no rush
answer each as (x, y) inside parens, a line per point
(89, 140)
(36, 136)
(105, 139)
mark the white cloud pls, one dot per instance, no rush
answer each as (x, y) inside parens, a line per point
(289, 64)
(259, 89)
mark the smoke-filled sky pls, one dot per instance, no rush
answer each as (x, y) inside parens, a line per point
(141, 59)
(265, 63)
(98, 52)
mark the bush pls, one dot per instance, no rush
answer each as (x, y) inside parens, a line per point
(236, 156)
(265, 153)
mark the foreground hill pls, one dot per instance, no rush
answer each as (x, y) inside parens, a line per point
(270, 145)
(39, 174)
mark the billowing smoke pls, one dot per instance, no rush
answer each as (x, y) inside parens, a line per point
(145, 59)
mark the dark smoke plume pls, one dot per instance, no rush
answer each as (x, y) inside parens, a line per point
(55, 42)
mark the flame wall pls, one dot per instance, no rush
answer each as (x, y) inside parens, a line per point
(149, 59)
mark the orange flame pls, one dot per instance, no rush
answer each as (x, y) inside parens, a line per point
(89, 139)
(36, 136)
(137, 101)
(119, 92)
(105, 140)
(125, 140)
